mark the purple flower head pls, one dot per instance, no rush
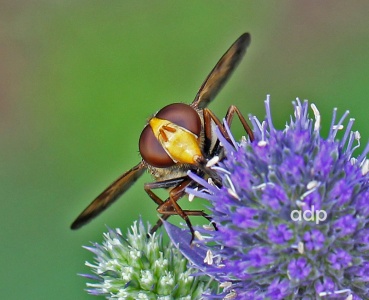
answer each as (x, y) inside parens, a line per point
(292, 213)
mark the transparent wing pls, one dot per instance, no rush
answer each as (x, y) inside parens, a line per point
(221, 72)
(108, 196)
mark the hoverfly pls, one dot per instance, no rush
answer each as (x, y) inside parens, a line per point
(179, 138)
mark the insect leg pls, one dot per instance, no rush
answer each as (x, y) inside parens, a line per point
(229, 117)
(210, 116)
(159, 223)
(170, 183)
(174, 195)
(165, 184)
(170, 206)
(212, 146)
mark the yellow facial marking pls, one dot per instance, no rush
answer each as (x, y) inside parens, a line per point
(180, 144)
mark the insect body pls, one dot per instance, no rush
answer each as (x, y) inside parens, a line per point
(179, 138)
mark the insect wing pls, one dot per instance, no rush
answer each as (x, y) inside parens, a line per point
(221, 72)
(109, 195)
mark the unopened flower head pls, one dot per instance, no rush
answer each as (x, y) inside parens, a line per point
(138, 267)
(271, 243)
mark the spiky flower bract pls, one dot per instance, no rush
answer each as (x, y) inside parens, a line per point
(292, 214)
(140, 267)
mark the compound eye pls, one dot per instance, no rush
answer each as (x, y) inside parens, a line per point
(183, 115)
(151, 150)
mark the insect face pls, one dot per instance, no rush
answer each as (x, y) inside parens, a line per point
(171, 137)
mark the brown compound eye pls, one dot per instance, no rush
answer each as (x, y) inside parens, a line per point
(181, 114)
(151, 150)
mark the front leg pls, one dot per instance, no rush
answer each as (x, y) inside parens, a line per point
(170, 206)
(164, 184)
(163, 207)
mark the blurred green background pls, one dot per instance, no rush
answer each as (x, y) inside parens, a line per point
(78, 80)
